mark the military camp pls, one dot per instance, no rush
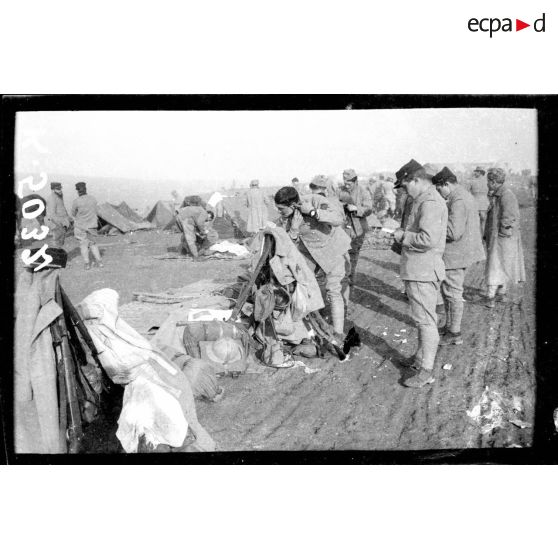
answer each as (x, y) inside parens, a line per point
(361, 308)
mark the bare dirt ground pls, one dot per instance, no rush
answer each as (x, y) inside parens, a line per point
(360, 404)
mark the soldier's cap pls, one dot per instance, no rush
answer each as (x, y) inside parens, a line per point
(319, 181)
(254, 182)
(55, 186)
(497, 175)
(349, 174)
(80, 186)
(445, 175)
(407, 171)
(480, 169)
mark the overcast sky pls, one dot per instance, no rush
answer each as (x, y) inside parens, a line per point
(273, 146)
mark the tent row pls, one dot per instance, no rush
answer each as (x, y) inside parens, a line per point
(121, 217)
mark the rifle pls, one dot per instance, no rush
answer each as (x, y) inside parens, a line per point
(243, 296)
(354, 221)
(67, 378)
(77, 323)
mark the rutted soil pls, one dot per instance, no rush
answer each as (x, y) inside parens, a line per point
(360, 404)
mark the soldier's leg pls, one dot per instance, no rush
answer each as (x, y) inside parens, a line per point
(334, 279)
(354, 251)
(345, 283)
(189, 239)
(452, 291)
(416, 359)
(94, 248)
(422, 299)
(490, 295)
(82, 238)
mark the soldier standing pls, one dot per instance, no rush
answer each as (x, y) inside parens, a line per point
(478, 188)
(255, 200)
(84, 212)
(314, 223)
(463, 248)
(58, 215)
(358, 205)
(422, 268)
(504, 263)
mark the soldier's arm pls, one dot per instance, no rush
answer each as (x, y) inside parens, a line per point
(430, 228)
(457, 218)
(509, 217)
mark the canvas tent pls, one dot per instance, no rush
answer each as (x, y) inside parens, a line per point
(161, 215)
(125, 210)
(109, 216)
(226, 227)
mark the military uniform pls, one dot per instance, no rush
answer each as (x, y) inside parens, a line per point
(463, 248)
(359, 196)
(504, 265)
(388, 196)
(478, 188)
(195, 233)
(86, 221)
(84, 212)
(422, 268)
(324, 245)
(59, 220)
(257, 209)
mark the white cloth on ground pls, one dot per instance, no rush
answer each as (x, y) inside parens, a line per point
(154, 405)
(226, 246)
(151, 411)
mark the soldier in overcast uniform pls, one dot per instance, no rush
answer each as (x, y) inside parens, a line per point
(313, 222)
(58, 215)
(86, 222)
(422, 268)
(358, 205)
(478, 188)
(505, 267)
(463, 248)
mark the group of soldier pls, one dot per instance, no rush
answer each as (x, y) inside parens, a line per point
(84, 217)
(445, 228)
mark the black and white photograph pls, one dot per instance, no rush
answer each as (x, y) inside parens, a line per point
(293, 281)
(278, 279)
